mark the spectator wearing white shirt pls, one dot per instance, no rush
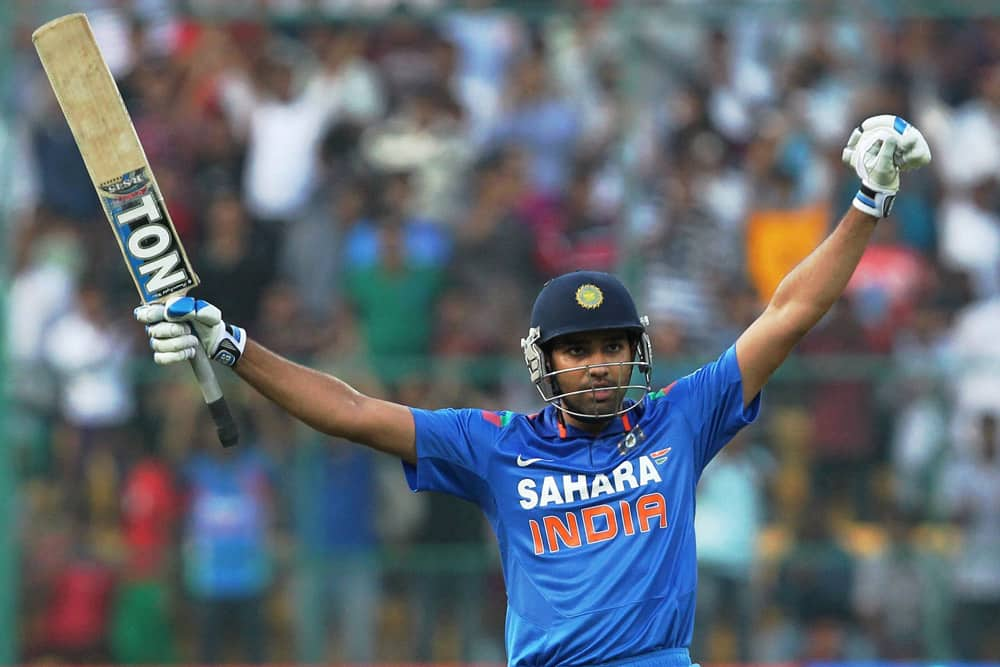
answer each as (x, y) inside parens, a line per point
(972, 497)
(975, 371)
(285, 123)
(89, 354)
(970, 231)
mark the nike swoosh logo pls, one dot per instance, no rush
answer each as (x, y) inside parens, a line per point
(523, 462)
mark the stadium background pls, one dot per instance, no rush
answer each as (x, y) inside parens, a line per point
(378, 188)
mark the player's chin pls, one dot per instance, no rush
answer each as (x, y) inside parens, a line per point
(602, 402)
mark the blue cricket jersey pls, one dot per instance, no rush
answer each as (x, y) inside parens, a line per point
(596, 533)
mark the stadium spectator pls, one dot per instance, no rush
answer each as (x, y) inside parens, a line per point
(150, 511)
(88, 351)
(403, 48)
(74, 622)
(973, 378)
(970, 240)
(284, 122)
(972, 496)
(311, 256)
(394, 267)
(488, 40)
(900, 594)
(346, 79)
(570, 231)
(427, 138)
(813, 588)
(730, 518)
(886, 287)
(491, 245)
(227, 547)
(142, 627)
(41, 289)
(920, 430)
(539, 120)
(338, 580)
(64, 187)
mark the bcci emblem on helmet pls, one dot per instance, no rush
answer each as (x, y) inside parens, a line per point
(589, 296)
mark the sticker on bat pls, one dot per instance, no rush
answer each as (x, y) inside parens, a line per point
(146, 236)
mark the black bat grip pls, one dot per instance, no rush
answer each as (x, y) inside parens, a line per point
(225, 425)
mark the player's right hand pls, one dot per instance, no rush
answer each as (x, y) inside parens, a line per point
(177, 327)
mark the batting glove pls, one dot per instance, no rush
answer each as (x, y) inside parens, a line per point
(877, 150)
(178, 326)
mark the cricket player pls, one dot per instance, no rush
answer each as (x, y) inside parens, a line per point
(592, 499)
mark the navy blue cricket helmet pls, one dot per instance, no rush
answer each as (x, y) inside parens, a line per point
(578, 302)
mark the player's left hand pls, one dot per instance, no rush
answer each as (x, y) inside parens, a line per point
(878, 150)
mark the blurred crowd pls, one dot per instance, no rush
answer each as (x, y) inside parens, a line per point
(381, 197)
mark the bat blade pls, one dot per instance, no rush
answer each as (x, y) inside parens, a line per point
(117, 164)
(122, 177)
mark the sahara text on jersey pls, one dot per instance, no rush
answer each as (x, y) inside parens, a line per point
(596, 523)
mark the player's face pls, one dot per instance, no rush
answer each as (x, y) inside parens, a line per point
(600, 384)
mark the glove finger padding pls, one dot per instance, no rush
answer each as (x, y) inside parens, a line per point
(167, 358)
(174, 344)
(883, 169)
(149, 313)
(882, 121)
(848, 155)
(168, 330)
(914, 151)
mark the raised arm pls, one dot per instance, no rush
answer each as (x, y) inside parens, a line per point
(322, 401)
(877, 150)
(329, 404)
(802, 298)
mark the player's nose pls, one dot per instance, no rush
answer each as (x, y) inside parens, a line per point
(597, 371)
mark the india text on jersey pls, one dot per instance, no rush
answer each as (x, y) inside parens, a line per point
(595, 523)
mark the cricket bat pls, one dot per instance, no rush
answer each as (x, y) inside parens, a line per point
(124, 181)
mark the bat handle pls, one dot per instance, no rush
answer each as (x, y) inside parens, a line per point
(225, 425)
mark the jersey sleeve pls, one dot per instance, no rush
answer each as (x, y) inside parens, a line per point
(453, 451)
(711, 399)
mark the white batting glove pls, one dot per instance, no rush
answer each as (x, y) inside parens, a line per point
(877, 151)
(178, 326)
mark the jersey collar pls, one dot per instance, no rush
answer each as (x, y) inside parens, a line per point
(552, 420)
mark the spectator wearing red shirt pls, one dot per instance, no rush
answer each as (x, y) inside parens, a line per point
(150, 507)
(74, 620)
